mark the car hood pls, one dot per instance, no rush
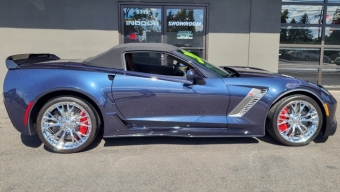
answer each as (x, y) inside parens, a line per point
(257, 74)
(289, 82)
(239, 71)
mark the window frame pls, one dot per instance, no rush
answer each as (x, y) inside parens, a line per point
(164, 7)
(321, 46)
(161, 52)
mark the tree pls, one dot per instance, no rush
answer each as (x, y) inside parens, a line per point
(284, 31)
(334, 36)
(304, 19)
(183, 15)
(184, 23)
(170, 16)
(293, 21)
(336, 17)
(297, 34)
(284, 16)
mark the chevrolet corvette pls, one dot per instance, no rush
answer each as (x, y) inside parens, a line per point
(153, 89)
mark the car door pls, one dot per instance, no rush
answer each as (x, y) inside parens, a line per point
(150, 100)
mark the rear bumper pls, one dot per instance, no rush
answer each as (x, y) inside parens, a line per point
(16, 113)
(9, 115)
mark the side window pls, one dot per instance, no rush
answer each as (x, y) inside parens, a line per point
(155, 63)
(148, 58)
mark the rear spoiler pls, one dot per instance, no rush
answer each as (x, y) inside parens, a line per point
(14, 61)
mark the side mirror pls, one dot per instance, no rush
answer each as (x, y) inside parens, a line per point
(194, 76)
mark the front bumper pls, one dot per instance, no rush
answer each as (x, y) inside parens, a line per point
(330, 125)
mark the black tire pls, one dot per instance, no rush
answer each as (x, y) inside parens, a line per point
(274, 113)
(92, 115)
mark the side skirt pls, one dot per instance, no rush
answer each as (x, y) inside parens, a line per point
(116, 127)
(163, 135)
(183, 132)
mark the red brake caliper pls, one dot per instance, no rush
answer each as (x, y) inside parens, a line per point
(283, 116)
(83, 120)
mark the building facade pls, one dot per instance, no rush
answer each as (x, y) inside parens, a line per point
(225, 32)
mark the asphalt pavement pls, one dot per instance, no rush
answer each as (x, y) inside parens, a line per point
(169, 164)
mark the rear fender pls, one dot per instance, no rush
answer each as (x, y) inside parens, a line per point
(18, 93)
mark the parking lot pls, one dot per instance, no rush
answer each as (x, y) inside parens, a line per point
(169, 164)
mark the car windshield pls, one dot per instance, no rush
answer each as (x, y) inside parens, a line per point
(203, 62)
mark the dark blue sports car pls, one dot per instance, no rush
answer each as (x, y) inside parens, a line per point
(158, 90)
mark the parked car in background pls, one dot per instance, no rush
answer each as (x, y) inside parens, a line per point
(327, 59)
(307, 55)
(337, 61)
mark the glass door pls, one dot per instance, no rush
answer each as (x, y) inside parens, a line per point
(185, 28)
(142, 24)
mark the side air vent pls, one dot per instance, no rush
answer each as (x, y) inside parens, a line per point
(248, 102)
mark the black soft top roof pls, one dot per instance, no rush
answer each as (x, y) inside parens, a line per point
(113, 58)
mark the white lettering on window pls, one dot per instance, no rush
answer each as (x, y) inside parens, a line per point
(142, 23)
(181, 23)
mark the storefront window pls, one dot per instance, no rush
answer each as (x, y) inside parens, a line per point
(142, 25)
(332, 57)
(332, 36)
(300, 35)
(333, 15)
(179, 25)
(307, 74)
(299, 56)
(307, 27)
(302, 14)
(331, 76)
(185, 27)
(304, 1)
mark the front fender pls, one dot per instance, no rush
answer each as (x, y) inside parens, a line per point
(320, 95)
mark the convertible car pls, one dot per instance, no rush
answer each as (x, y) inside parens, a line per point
(155, 89)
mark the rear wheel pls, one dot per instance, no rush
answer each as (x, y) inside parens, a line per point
(67, 124)
(295, 120)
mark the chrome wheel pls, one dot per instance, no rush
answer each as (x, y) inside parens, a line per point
(66, 125)
(298, 121)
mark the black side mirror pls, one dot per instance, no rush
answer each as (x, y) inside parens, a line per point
(194, 76)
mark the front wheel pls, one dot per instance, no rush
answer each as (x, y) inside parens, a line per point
(295, 120)
(67, 124)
